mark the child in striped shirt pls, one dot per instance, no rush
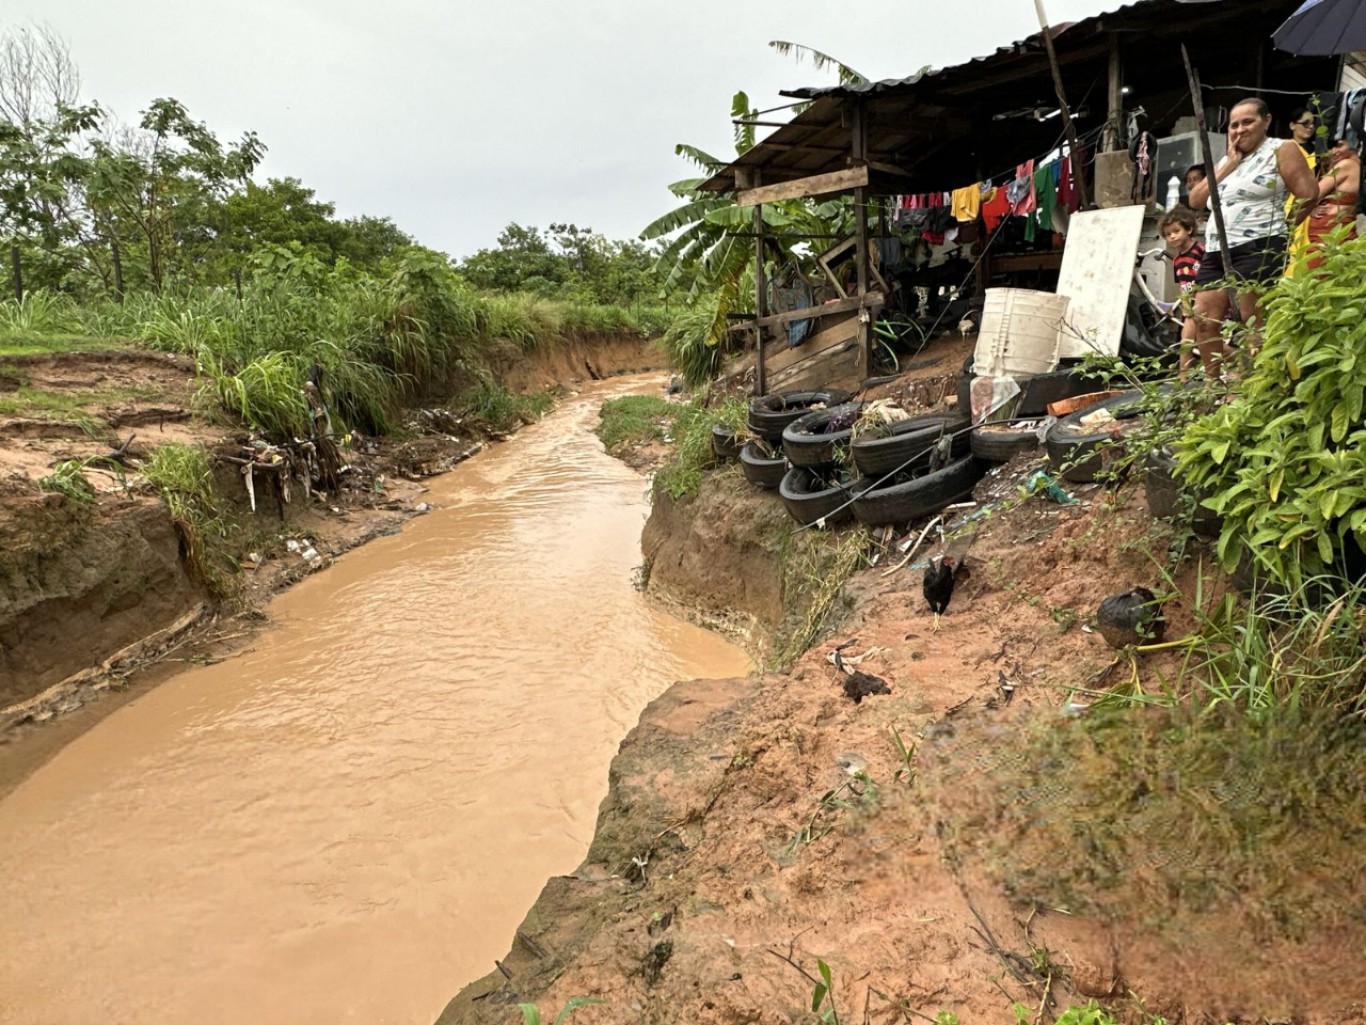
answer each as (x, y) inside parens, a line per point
(1177, 227)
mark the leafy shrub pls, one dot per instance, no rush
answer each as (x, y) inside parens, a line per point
(1286, 458)
(68, 478)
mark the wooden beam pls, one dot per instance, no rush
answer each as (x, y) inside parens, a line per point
(782, 357)
(812, 312)
(760, 299)
(1114, 102)
(804, 188)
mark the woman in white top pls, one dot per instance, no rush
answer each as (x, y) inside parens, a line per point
(1255, 178)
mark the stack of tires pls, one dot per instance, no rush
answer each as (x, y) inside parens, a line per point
(919, 467)
(762, 460)
(818, 486)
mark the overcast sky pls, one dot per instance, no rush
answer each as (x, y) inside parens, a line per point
(454, 118)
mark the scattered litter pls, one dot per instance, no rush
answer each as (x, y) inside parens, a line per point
(1099, 418)
(1041, 482)
(852, 762)
(1131, 618)
(422, 507)
(293, 545)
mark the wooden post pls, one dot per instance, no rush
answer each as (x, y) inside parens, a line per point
(1082, 191)
(17, 270)
(116, 254)
(760, 300)
(860, 156)
(1114, 113)
(1207, 154)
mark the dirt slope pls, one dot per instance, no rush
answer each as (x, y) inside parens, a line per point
(735, 841)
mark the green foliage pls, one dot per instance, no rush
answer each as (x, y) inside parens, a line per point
(1183, 816)
(1271, 654)
(500, 411)
(531, 1015)
(692, 456)
(568, 262)
(68, 478)
(633, 419)
(816, 564)
(1091, 1014)
(857, 793)
(824, 994)
(183, 477)
(1285, 460)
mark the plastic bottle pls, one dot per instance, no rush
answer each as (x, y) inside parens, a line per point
(1173, 192)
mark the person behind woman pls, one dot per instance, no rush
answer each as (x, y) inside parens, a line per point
(1303, 128)
(1254, 179)
(1337, 207)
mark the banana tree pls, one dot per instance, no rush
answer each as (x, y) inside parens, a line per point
(708, 253)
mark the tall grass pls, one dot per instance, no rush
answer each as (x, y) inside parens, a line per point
(380, 342)
(1271, 654)
(184, 478)
(38, 313)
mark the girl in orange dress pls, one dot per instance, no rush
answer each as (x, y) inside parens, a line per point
(1337, 204)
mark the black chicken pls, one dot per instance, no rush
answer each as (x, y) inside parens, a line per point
(937, 586)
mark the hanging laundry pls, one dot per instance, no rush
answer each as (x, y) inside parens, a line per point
(1068, 195)
(995, 209)
(967, 202)
(1044, 195)
(1021, 191)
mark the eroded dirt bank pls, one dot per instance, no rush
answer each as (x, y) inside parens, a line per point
(339, 821)
(91, 594)
(735, 840)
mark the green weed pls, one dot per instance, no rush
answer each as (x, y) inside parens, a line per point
(531, 1015)
(183, 476)
(682, 475)
(815, 566)
(68, 478)
(634, 419)
(38, 313)
(498, 410)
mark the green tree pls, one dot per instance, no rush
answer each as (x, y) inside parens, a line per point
(153, 190)
(523, 260)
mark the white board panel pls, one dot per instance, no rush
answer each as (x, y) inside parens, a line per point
(1097, 271)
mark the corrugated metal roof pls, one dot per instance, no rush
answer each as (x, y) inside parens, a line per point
(954, 122)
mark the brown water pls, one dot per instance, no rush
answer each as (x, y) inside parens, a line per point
(347, 822)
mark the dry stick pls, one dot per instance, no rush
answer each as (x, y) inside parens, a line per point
(1072, 143)
(1207, 154)
(914, 547)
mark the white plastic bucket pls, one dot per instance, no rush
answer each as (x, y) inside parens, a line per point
(1020, 332)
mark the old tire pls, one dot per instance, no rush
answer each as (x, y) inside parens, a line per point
(761, 469)
(1074, 450)
(1163, 493)
(1001, 445)
(724, 444)
(808, 440)
(920, 496)
(906, 441)
(808, 499)
(1038, 391)
(770, 414)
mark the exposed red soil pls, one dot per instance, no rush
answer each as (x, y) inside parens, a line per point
(701, 884)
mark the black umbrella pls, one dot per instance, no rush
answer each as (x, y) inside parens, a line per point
(1322, 28)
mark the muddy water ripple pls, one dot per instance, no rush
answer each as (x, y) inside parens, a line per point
(346, 822)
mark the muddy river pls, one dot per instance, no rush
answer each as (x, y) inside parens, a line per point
(348, 821)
